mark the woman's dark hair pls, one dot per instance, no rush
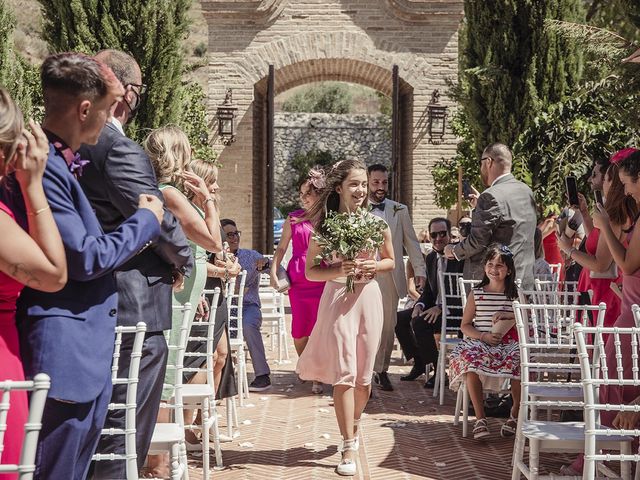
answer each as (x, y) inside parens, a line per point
(620, 207)
(227, 221)
(631, 165)
(329, 200)
(506, 255)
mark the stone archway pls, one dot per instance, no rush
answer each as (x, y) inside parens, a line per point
(312, 40)
(343, 69)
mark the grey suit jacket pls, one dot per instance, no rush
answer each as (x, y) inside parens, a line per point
(403, 237)
(505, 213)
(118, 172)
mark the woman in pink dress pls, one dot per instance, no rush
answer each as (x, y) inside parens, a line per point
(344, 342)
(35, 259)
(304, 294)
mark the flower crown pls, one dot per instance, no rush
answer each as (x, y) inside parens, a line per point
(316, 178)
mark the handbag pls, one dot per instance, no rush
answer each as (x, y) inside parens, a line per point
(284, 283)
(610, 272)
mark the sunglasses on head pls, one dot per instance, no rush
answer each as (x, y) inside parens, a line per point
(441, 234)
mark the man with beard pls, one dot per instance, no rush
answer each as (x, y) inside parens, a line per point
(505, 213)
(392, 284)
(416, 327)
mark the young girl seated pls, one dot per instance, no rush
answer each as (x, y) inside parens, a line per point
(490, 351)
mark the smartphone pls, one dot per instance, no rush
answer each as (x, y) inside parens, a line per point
(466, 189)
(598, 195)
(572, 190)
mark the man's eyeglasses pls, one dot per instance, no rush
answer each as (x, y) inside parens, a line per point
(485, 158)
(234, 234)
(138, 89)
(441, 234)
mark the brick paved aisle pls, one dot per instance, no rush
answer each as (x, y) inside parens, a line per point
(288, 433)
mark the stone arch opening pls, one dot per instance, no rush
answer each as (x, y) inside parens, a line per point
(326, 69)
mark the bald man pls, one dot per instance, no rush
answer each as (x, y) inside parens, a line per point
(504, 213)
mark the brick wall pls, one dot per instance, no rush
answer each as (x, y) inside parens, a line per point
(311, 40)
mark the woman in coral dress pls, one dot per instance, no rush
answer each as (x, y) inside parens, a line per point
(304, 294)
(344, 342)
(35, 259)
(599, 268)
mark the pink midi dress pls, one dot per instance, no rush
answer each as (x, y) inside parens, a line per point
(304, 294)
(343, 345)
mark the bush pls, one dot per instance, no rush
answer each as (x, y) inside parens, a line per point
(302, 162)
(200, 50)
(325, 97)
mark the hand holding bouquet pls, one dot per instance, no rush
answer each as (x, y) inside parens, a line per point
(349, 235)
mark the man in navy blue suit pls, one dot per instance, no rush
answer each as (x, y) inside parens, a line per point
(69, 334)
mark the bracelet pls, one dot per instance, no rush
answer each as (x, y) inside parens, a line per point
(38, 212)
(209, 199)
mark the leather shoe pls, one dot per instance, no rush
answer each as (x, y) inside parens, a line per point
(415, 372)
(382, 379)
(431, 383)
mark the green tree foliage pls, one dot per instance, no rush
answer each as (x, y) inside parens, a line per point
(324, 97)
(16, 74)
(512, 67)
(570, 135)
(151, 31)
(193, 120)
(445, 172)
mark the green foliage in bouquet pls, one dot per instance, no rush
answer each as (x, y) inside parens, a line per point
(347, 235)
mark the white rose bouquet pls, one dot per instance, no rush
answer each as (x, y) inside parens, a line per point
(347, 235)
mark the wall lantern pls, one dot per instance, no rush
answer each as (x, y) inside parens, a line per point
(437, 118)
(226, 115)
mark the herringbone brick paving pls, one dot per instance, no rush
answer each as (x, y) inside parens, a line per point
(288, 433)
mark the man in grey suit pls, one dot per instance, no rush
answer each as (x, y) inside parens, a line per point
(118, 171)
(504, 213)
(393, 284)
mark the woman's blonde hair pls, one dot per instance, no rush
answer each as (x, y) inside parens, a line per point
(11, 126)
(169, 151)
(207, 171)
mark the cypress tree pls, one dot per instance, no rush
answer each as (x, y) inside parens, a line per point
(511, 66)
(16, 74)
(150, 30)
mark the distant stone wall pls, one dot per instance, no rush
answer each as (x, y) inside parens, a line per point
(367, 137)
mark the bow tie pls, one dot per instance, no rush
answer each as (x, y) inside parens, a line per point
(377, 206)
(77, 164)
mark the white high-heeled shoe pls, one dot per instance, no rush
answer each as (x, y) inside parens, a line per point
(347, 467)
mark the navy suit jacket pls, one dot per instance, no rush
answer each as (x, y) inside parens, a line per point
(69, 334)
(118, 172)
